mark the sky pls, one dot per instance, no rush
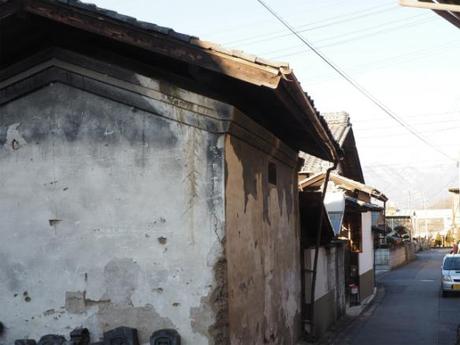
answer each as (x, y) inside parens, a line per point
(407, 58)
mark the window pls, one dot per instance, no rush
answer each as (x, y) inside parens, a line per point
(272, 173)
(452, 263)
(352, 222)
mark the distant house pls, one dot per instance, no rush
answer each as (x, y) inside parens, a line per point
(350, 165)
(401, 226)
(149, 180)
(455, 212)
(345, 274)
(349, 207)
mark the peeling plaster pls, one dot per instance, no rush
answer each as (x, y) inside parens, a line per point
(14, 139)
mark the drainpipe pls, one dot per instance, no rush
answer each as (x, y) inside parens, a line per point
(385, 222)
(317, 245)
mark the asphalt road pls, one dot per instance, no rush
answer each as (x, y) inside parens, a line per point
(408, 308)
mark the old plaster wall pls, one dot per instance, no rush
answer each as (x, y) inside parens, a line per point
(330, 286)
(110, 216)
(262, 244)
(366, 257)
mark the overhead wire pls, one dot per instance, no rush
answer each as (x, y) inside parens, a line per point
(414, 116)
(359, 31)
(371, 67)
(431, 131)
(360, 37)
(422, 123)
(308, 27)
(243, 26)
(357, 86)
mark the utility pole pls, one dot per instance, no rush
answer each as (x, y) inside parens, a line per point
(456, 208)
(424, 210)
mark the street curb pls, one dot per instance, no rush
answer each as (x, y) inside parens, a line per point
(357, 310)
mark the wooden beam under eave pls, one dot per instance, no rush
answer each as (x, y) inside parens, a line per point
(157, 43)
(430, 5)
(8, 9)
(450, 17)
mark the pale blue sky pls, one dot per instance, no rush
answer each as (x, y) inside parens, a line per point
(408, 58)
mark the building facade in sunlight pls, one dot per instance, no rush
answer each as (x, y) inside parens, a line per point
(149, 181)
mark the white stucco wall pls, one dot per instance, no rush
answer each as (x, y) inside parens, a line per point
(326, 272)
(366, 258)
(110, 216)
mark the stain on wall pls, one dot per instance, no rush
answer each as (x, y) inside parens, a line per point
(115, 178)
(262, 246)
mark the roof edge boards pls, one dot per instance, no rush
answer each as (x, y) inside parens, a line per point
(159, 42)
(345, 183)
(430, 5)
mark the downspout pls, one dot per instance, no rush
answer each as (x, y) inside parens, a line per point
(317, 245)
(385, 222)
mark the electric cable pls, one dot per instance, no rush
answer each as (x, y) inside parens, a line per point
(357, 86)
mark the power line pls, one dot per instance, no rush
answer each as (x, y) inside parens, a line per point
(359, 31)
(424, 20)
(422, 123)
(424, 165)
(415, 115)
(300, 11)
(380, 64)
(452, 123)
(309, 27)
(412, 55)
(431, 131)
(358, 87)
(444, 188)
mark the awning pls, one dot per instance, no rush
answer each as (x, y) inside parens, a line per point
(317, 180)
(361, 205)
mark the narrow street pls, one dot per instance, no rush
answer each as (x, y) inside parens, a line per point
(408, 308)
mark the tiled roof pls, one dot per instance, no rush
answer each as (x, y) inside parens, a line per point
(339, 125)
(171, 33)
(303, 128)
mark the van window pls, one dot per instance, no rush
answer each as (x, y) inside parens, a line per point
(451, 264)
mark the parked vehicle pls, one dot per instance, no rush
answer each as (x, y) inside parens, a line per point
(450, 280)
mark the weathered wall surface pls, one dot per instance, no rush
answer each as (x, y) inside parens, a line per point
(262, 246)
(389, 258)
(366, 258)
(330, 286)
(366, 284)
(110, 216)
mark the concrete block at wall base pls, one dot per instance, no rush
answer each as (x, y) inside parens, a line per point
(366, 284)
(358, 309)
(325, 313)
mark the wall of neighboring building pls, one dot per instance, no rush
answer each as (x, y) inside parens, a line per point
(113, 216)
(330, 301)
(262, 239)
(366, 258)
(389, 258)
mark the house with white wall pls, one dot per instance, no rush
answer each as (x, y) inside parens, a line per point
(346, 259)
(349, 205)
